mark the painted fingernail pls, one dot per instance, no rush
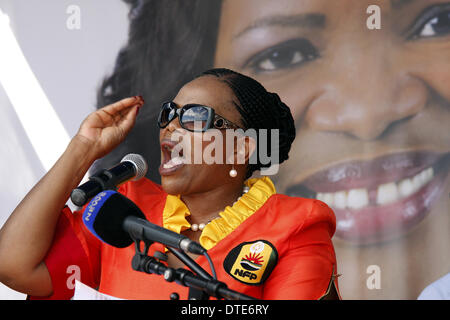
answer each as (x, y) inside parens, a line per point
(137, 110)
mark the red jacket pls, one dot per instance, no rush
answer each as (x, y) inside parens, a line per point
(282, 251)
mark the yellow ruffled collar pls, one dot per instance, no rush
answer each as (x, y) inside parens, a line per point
(176, 211)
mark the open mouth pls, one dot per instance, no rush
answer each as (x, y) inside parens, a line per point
(170, 162)
(378, 199)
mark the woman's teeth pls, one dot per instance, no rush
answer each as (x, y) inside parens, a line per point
(173, 162)
(385, 193)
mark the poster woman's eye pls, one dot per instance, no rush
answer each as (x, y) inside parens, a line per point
(285, 55)
(434, 22)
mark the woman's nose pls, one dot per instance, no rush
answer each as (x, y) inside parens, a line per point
(174, 125)
(171, 128)
(364, 100)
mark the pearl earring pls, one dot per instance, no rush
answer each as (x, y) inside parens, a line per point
(233, 172)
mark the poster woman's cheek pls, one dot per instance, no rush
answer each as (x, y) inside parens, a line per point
(372, 112)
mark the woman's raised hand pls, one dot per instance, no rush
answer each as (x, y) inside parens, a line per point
(107, 127)
(24, 269)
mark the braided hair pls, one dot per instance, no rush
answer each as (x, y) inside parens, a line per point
(260, 109)
(165, 50)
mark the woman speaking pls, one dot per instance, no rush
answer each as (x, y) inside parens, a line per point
(263, 244)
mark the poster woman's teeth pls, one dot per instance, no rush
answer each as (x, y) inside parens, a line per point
(385, 193)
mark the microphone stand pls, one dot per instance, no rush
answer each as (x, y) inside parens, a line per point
(194, 294)
(201, 285)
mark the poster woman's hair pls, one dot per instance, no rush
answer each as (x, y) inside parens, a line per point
(169, 43)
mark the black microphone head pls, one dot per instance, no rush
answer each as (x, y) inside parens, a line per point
(105, 215)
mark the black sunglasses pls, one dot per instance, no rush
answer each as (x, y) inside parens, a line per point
(193, 117)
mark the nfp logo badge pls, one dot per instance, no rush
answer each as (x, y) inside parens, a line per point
(251, 262)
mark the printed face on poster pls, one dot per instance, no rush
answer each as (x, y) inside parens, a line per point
(367, 83)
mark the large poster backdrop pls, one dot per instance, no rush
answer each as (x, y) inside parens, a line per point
(368, 83)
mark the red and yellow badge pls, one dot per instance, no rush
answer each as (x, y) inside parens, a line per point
(251, 262)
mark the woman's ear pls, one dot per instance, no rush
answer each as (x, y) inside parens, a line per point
(245, 147)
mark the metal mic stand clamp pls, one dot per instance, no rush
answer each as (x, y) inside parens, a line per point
(201, 286)
(143, 262)
(140, 258)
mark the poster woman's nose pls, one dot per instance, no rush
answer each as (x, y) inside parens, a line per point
(364, 105)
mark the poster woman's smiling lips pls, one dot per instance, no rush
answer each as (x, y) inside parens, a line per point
(376, 199)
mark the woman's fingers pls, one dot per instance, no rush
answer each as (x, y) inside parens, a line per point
(115, 113)
(108, 126)
(128, 115)
(123, 104)
(128, 119)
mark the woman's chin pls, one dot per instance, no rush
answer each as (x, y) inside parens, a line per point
(171, 186)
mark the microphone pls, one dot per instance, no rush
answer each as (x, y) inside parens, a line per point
(131, 166)
(116, 220)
